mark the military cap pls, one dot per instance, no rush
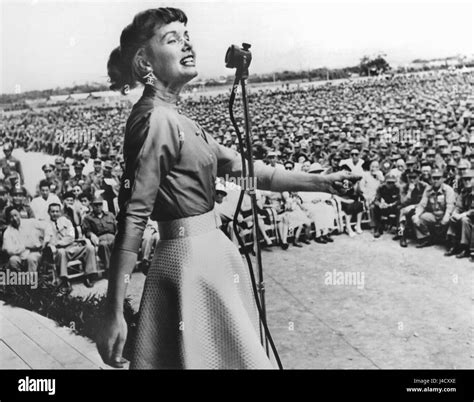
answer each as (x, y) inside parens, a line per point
(315, 168)
(98, 199)
(463, 164)
(108, 165)
(452, 163)
(390, 178)
(456, 149)
(413, 173)
(78, 164)
(18, 190)
(317, 143)
(47, 166)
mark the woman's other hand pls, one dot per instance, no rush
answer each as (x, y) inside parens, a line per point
(111, 339)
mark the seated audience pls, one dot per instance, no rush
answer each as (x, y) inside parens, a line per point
(40, 204)
(411, 195)
(99, 227)
(386, 203)
(23, 241)
(60, 240)
(433, 213)
(461, 223)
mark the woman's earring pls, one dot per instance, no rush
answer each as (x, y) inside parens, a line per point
(150, 78)
(126, 89)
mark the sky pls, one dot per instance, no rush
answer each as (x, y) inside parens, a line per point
(48, 44)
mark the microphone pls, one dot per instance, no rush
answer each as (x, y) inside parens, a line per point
(240, 58)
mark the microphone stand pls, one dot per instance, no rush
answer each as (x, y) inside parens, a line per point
(241, 75)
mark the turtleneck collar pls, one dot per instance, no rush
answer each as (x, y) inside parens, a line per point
(156, 93)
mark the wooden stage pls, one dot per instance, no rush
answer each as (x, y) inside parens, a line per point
(31, 341)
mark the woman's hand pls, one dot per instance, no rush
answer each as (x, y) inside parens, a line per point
(340, 183)
(111, 339)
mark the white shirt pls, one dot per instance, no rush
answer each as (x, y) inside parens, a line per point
(60, 232)
(397, 173)
(88, 167)
(28, 235)
(40, 206)
(356, 169)
(369, 185)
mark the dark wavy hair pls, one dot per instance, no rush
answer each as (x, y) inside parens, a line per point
(8, 211)
(121, 67)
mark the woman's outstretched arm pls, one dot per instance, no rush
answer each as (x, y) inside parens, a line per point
(279, 180)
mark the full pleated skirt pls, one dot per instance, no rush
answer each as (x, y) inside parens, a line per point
(198, 310)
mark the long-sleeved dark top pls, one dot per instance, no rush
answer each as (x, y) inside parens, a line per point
(391, 195)
(171, 165)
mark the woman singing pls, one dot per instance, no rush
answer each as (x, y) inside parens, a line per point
(197, 308)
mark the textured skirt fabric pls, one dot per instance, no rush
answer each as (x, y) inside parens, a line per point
(198, 310)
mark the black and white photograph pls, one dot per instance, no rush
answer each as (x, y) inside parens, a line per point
(237, 185)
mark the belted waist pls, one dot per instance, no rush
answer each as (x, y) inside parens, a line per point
(187, 227)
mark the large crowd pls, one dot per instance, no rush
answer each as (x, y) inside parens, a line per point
(410, 137)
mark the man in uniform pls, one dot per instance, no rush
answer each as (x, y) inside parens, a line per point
(386, 203)
(18, 195)
(411, 195)
(100, 227)
(317, 153)
(461, 223)
(11, 161)
(384, 157)
(430, 158)
(434, 210)
(55, 184)
(462, 167)
(426, 173)
(411, 166)
(58, 165)
(95, 177)
(456, 153)
(450, 174)
(79, 179)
